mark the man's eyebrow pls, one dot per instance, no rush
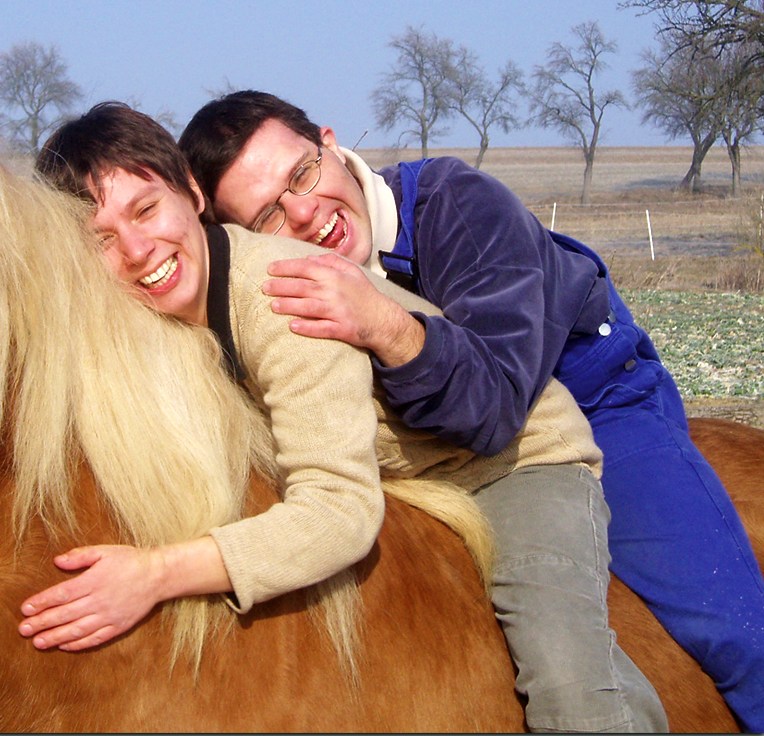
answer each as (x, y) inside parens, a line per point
(300, 161)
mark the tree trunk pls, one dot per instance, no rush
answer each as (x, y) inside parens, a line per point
(692, 179)
(481, 151)
(733, 151)
(588, 173)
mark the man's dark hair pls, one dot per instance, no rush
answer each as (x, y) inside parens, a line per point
(112, 135)
(218, 132)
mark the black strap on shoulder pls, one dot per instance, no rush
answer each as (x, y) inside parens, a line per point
(218, 312)
(400, 263)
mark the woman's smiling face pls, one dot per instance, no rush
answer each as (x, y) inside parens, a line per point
(152, 239)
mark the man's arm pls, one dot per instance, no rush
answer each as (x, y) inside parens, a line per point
(509, 298)
(330, 297)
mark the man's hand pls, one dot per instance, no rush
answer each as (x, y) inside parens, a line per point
(331, 297)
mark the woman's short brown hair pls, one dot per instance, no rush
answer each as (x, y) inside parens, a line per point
(112, 135)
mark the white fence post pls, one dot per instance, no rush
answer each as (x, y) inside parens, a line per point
(650, 233)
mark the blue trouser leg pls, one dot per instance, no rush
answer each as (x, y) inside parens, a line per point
(675, 536)
(676, 540)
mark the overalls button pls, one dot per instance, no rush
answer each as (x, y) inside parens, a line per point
(604, 329)
(630, 365)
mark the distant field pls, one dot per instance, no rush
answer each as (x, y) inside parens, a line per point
(627, 181)
(543, 175)
(701, 296)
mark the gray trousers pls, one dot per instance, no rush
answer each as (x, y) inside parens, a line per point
(550, 595)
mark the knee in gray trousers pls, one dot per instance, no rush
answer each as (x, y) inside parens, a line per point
(550, 595)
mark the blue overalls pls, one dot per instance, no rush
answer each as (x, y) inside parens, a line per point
(675, 537)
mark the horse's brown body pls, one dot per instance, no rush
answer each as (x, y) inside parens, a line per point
(433, 657)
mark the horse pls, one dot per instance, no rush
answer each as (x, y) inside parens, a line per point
(95, 405)
(434, 659)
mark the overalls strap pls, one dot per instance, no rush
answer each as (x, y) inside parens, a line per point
(400, 263)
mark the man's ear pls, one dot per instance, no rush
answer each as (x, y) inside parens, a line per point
(329, 140)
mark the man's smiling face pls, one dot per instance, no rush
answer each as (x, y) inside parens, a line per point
(333, 215)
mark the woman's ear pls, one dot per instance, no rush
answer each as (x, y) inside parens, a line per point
(201, 201)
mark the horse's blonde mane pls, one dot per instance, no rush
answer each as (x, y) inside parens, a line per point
(96, 376)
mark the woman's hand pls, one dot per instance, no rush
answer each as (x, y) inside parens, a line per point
(331, 297)
(119, 587)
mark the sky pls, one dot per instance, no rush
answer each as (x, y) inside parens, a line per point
(325, 56)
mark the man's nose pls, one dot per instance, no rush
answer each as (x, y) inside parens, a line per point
(300, 210)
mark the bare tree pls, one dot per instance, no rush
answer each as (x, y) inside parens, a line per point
(484, 104)
(716, 24)
(741, 95)
(564, 95)
(683, 90)
(415, 92)
(36, 92)
(730, 34)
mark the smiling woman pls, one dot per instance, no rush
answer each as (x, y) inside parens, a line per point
(152, 240)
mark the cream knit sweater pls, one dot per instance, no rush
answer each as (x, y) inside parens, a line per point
(332, 440)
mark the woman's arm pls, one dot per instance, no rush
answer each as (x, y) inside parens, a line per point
(317, 395)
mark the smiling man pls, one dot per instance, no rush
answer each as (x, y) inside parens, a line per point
(277, 154)
(520, 304)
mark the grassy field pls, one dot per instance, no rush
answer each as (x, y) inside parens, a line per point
(696, 288)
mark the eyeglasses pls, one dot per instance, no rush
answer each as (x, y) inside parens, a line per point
(303, 181)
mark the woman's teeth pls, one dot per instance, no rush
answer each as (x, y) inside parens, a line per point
(162, 275)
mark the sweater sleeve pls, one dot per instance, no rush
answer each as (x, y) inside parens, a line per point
(510, 300)
(318, 394)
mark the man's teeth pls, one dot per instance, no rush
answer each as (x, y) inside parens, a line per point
(162, 275)
(326, 229)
